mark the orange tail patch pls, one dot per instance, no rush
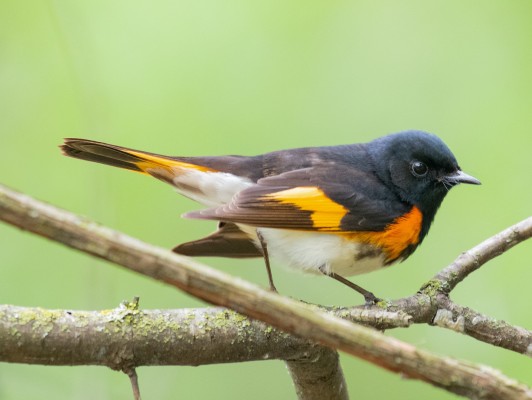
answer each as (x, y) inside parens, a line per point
(163, 167)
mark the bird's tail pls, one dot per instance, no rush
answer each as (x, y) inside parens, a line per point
(162, 167)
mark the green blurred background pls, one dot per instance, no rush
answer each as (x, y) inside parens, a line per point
(239, 77)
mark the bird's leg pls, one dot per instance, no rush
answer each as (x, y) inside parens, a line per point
(266, 260)
(369, 298)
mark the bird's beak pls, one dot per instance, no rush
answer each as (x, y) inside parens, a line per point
(461, 177)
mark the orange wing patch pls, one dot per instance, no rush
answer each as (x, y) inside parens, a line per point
(396, 237)
(326, 214)
(163, 166)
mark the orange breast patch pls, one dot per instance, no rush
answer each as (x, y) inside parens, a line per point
(396, 237)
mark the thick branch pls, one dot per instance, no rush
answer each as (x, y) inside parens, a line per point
(218, 288)
(127, 337)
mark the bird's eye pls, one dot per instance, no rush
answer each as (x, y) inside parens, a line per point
(419, 169)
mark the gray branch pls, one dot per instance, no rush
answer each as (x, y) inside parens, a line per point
(126, 337)
(291, 316)
(473, 259)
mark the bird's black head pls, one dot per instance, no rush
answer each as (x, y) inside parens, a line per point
(419, 167)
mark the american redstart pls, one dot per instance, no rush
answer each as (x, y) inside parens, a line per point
(338, 211)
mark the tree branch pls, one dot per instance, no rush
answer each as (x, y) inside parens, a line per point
(473, 259)
(431, 305)
(134, 379)
(490, 330)
(218, 288)
(125, 337)
(319, 376)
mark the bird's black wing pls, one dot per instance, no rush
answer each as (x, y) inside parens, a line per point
(333, 198)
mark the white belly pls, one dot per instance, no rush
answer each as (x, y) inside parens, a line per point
(315, 252)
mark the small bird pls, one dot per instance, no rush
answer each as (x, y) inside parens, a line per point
(336, 210)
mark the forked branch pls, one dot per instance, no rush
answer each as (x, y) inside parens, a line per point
(286, 314)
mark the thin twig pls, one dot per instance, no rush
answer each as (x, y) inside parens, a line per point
(486, 329)
(431, 304)
(473, 259)
(133, 378)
